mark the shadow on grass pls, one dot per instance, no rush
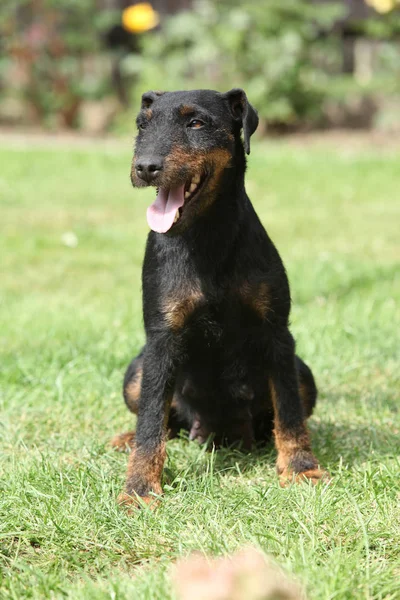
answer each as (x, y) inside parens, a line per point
(334, 444)
(349, 444)
(228, 459)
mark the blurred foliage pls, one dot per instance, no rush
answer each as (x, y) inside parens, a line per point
(272, 48)
(382, 23)
(50, 52)
(287, 55)
(383, 6)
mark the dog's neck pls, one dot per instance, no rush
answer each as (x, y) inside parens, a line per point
(211, 237)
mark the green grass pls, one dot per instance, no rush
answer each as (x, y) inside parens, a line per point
(70, 320)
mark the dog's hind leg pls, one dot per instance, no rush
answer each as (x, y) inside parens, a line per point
(307, 388)
(123, 442)
(133, 383)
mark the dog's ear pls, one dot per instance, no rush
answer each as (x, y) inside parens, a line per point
(243, 112)
(149, 97)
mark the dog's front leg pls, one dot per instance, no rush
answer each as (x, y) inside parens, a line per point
(147, 458)
(295, 459)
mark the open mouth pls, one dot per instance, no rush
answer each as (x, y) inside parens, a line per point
(192, 188)
(170, 203)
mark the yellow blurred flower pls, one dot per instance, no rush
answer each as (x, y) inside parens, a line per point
(140, 17)
(383, 6)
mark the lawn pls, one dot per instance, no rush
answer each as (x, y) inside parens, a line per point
(71, 246)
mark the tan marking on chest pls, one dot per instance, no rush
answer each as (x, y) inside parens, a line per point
(178, 309)
(257, 297)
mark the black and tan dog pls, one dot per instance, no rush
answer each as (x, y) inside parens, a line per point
(219, 357)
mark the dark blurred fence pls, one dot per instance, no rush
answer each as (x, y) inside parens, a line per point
(304, 63)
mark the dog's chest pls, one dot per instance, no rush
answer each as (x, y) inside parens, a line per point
(216, 310)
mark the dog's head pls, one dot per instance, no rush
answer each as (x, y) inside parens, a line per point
(185, 142)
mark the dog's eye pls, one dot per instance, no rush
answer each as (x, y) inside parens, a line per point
(142, 126)
(195, 124)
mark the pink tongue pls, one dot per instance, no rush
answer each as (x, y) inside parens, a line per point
(161, 214)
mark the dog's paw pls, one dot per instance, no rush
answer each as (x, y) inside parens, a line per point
(123, 442)
(316, 475)
(135, 502)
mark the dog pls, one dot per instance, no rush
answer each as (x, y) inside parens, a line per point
(219, 359)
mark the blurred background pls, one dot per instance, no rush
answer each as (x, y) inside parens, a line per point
(306, 64)
(72, 237)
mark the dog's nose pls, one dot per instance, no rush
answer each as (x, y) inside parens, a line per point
(148, 169)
